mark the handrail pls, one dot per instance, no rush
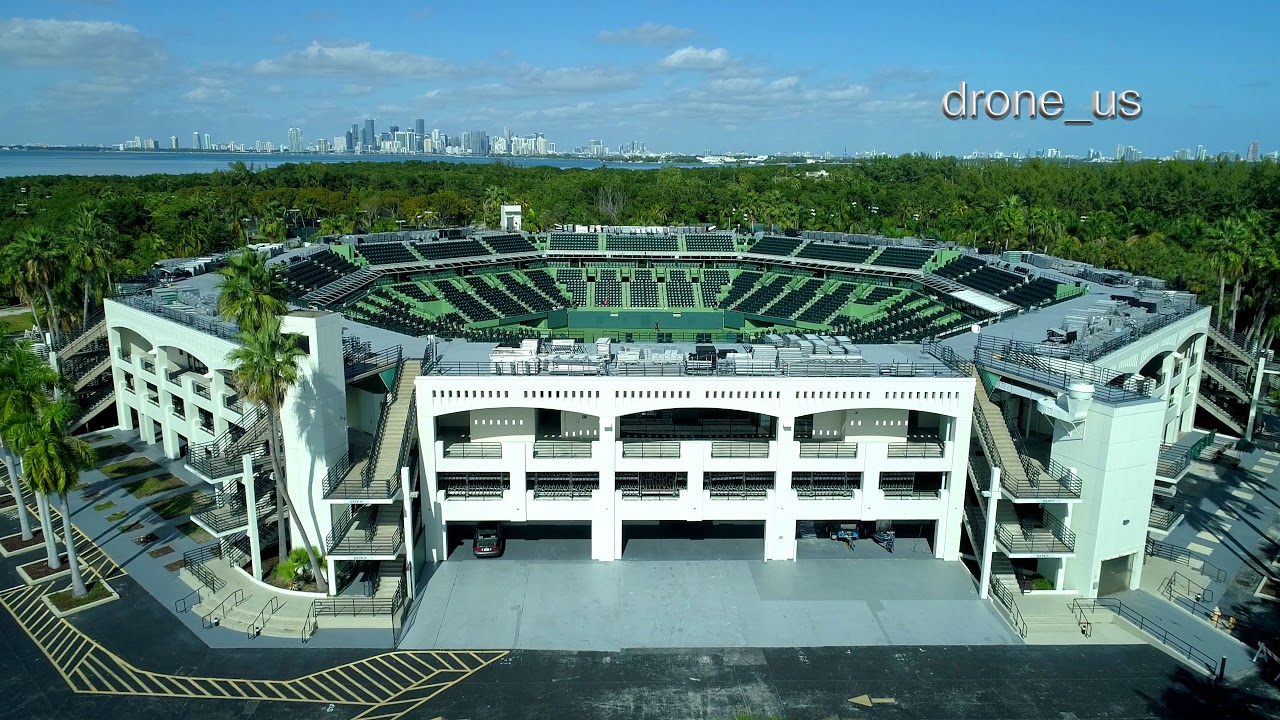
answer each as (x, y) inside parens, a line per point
(1139, 329)
(194, 560)
(1070, 484)
(366, 477)
(1086, 625)
(183, 604)
(1173, 553)
(88, 408)
(90, 323)
(1153, 629)
(916, 449)
(1002, 593)
(217, 328)
(949, 357)
(1029, 361)
(208, 619)
(336, 473)
(1237, 340)
(260, 623)
(989, 447)
(382, 359)
(1170, 586)
(340, 528)
(406, 443)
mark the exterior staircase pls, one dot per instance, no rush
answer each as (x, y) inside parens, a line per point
(1232, 342)
(1215, 408)
(1227, 377)
(998, 442)
(385, 464)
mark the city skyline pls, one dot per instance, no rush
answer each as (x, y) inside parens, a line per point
(689, 78)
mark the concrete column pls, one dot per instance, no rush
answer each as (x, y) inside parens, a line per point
(989, 533)
(251, 507)
(406, 510)
(1255, 396)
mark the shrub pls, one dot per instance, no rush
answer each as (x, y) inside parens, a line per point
(1041, 584)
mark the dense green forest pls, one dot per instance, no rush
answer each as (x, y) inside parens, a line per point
(1210, 227)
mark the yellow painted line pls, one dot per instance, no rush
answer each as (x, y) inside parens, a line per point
(371, 681)
(90, 666)
(418, 665)
(461, 663)
(477, 658)
(351, 685)
(390, 668)
(218, 685)
(386, 680)
(167, 685)
(404, 668)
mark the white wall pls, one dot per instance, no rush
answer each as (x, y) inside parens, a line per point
(363, 410)
(579, 425)
(516, 424)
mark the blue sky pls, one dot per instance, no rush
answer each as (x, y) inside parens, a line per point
(682, 76)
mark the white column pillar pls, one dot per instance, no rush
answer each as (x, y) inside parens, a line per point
(251, 509)
(1256, 396)
(989, 533)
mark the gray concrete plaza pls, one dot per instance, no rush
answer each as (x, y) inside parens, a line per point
(537, 597)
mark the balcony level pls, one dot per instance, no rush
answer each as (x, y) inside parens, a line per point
(372, 532)
(1028, 534)
(351, 479)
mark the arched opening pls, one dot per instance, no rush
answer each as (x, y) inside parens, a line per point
(480, 433)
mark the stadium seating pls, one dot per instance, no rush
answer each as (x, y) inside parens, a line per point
(738, 289)
(776, 245)
(416, 292)
(644, 289)
(838, 253)
(902, 257)
(574, 283)
(574, 241)
(679, 290)
(713, 280)
(442, 250)
(827, 305)
(960, 266)
(387, 253)
(525, 294)
(466, 305)
(708, 242)
(508, 243)
(1036, 292)
(792, 300)
(641, 243)
(315, 271)
(547, 286)
(755, 301)
(503, 302)
(608, 288)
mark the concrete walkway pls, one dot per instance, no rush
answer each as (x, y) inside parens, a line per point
(168, 586)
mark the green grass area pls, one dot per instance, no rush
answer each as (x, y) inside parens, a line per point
(133, 466)
(116, 516)
(65, 601)
(154, 485)
(195, 532)
(112, 451)
(174, 507)
(11, 324)
(104, 505)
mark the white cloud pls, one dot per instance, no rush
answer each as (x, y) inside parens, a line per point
(692, 58)
(525, 81)
(647, 34)
(353, 60)
(94, 46)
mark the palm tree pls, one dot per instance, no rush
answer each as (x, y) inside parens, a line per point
(1011, 221)
(89, 250)
(52, 461)
(26, 385)
(266, 366)
(37, 254)
(251, 294)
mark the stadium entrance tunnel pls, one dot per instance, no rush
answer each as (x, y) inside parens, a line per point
(682, 540)
(865, 539)
(541, 541)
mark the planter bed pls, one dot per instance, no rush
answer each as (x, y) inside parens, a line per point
(38, 571)
(154, 485)
(14, 544)
(134, 527)
(118, 516)
(113, 451)
(63, 604)
(195, 532)
(176, 565)
(128, 468)
(174, 507)
(1268, 589)
(160, 551)
(7, 501)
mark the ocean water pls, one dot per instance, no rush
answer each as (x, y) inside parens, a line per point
(21, 163)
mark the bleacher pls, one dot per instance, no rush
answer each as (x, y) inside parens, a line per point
(828, 305)
(525, 294)
(763, 295)
(879, 295)
(738, 289)
(608, 288)
(547, 286)
(574, 283)
(641, 243)
(574, 241)
(679, 290)
(1037, 292)
(415, 291)
(992, 281)
(644, 289)
(776, 245)
(315, 271)
(712, 281)
(505, 304)
(387, 253)
(903, 257)
(464, 303)
(708, 242)
(508, 243)
(469, 247)
(960, 266)
(795, 298)
(838, 253)
(379, 308)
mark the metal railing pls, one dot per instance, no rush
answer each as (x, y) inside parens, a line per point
(1004, 595)
(93, 405)
(264, 615)
(1233, 338)
(366, 476)
(1183, 556)
(1031, 362)
(561, 449)
(814, 368)
(821, 449)
(374, 362)
(370, 542)
(340, 527)
(221, 456)
(477, 450)
(147, 364)
(1063, 483)
(739, 450)
(1178, 587)
(213, 618)
(336, 473)
(988, 443)
(916, 449)
(194, 560)
(212, 326)
(234, 403)
(650, 449)
(1177, 644)
(1138, 328)
(184, 603)
(1058, 539)
(949, 357)
(1162, 518)
(90, 324)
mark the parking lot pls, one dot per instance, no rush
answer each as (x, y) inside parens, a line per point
(546, 594)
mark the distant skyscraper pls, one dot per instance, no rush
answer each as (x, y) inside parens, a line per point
(1255, 149)
(1201, 153)
(195, 141)
(205, 143)
(295, 140)
(173, 142)
(1120, 152)
(420, 127)
(351, 138)
(370, 140)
